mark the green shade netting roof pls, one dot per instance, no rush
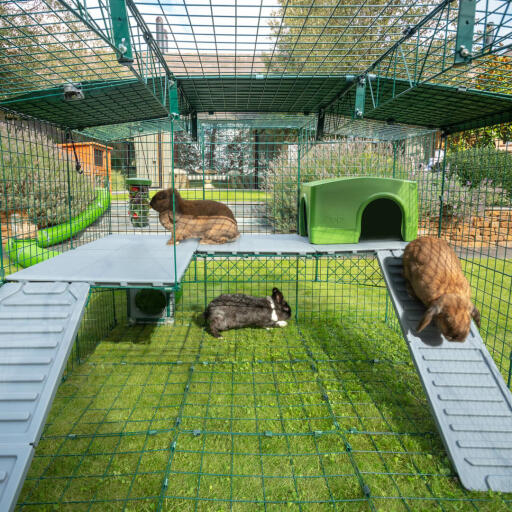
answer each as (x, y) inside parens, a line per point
(103, 103)
(429, 105)
(119, 132)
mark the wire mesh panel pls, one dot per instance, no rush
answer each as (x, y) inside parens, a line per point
(55, 184)
(474, 217)
(327, 412)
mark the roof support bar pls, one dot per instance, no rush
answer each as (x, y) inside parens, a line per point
(121, 31)
(465, 31)
(360, 97)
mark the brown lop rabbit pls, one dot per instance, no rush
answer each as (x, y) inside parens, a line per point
(434, 275)
(210, 221)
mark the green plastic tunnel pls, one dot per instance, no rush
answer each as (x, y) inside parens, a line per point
(57, 234)
(26, 253)
(29, 252)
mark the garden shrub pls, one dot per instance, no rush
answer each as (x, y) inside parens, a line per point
(461, 197)
(34, 178)
(475, 165)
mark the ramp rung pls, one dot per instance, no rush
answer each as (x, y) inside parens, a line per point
(468, 396)
(33, 353)
(14, 463)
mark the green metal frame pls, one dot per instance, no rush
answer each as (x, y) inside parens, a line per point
(465, 31)
(304, 417)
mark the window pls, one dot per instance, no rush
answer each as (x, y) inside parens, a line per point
(98, 157)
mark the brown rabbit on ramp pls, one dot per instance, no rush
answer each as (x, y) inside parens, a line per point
(434, 275)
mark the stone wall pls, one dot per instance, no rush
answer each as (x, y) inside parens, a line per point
(16, 224)
(493, 227)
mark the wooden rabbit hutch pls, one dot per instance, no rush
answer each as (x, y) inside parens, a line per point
(95, 158)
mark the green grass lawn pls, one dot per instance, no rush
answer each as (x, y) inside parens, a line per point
(301, 418)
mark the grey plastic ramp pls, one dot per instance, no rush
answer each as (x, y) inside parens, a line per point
(14, 464)
(38, 325)
(116, 260)
(469, 398)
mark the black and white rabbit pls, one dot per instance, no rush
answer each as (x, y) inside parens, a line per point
(235, 310)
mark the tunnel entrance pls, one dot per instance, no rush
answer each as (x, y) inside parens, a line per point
(381, 220)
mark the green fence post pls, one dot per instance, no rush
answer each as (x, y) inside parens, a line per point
(443, 178)
(298, 177)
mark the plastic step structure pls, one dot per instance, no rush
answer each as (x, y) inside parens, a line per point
(468, 396)
(38, 325)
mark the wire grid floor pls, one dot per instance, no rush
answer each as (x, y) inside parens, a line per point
(307, 418)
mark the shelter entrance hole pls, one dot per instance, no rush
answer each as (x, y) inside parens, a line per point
(381, 220)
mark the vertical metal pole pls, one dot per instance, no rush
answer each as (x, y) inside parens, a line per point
(202, 156)
(2, 272)
(297, 288)
(159, 156)
(173, 207)
(256, 159)
(108, 189)
(114, 305)
(394, 157)
(444, 146)
(299, 139)
(204, 282)
(68, 155)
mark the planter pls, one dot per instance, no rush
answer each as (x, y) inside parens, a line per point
(138, 189)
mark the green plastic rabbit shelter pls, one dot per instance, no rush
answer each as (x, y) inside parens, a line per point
(347, 210)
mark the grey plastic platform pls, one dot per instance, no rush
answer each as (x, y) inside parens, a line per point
(469, 398)
(293, 244)
(261, 244)
(116, 260)
(146, 260)
(38, 325)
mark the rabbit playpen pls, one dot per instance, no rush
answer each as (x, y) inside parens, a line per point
(329, 413)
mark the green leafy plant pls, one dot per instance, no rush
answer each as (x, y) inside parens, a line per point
(41, 180)
(475, 165)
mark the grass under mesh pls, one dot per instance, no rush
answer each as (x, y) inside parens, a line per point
(317, 416)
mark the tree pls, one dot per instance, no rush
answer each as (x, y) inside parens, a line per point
(329, 37)
(490, 75)
(43, 45)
